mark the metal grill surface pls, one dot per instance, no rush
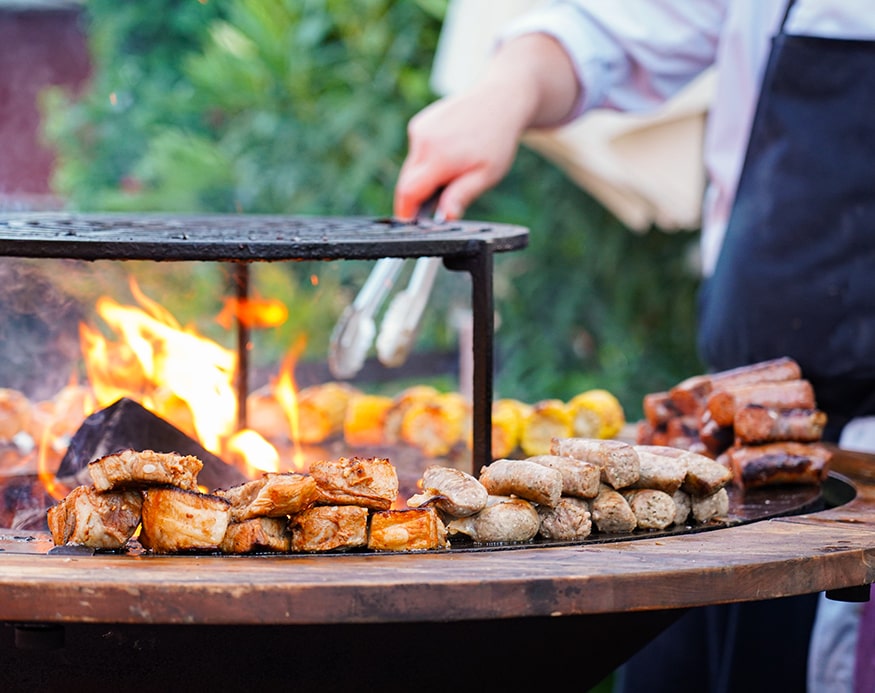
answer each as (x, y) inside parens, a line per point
(244, 237)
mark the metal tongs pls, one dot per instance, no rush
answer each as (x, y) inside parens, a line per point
(355, 330)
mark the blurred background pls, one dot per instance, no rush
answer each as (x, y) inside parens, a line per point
(300, 107)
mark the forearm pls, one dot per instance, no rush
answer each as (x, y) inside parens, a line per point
(534, 77)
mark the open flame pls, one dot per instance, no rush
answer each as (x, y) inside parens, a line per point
(184, 377)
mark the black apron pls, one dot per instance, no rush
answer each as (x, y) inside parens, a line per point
(795, 277)
(796, 274)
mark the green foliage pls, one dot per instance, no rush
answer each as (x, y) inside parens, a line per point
(300, 107)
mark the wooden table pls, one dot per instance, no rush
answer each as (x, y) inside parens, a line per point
(391, 617)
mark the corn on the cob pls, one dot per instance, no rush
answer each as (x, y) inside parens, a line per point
(507, 425)
(436, 425)
(322, 409)
(266, 416)
(547, 419)
(365, 420)
(401, 403)
(596, 414)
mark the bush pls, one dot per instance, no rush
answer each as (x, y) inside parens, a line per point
(300, 107)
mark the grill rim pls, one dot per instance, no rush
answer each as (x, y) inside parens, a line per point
(245, 237)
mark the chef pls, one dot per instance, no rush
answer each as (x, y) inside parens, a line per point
(787, 242)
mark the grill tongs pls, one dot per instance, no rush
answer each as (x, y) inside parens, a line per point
(355, 330)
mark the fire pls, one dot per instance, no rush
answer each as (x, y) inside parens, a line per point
(184, 377)
(285, 392)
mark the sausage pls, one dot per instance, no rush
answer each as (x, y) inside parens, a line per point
(523, 478)
(714, 437)
(569, 520)
(502, 520)
(611, 512)
(755, 424)
(450, 490)
(653, 509)
(710, 507)
(658, 471)
(790, 394)
(659, 408)
(698, 388)
(787, 462)
(616, 459)
(579, 478)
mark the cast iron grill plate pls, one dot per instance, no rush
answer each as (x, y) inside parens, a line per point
(244, 237)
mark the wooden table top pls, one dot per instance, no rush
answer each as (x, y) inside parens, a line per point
(827, 550)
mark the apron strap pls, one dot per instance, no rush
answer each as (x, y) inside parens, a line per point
(787, 14)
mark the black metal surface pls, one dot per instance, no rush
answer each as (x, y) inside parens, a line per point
(244, 237)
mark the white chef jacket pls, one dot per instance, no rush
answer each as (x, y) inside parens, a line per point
(631, 55)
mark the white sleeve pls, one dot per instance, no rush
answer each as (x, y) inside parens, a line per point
(629, 55)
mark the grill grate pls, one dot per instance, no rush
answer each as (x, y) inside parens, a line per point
(244, 237)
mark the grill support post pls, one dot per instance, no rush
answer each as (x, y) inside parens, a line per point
(480, 267)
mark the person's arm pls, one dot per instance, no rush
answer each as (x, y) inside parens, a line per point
(468, 142)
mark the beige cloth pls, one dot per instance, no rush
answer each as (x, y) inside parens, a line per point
(646, 169)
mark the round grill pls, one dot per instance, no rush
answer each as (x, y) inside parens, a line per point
(229, 237)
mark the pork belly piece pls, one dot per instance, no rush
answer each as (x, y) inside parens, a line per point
(273, 495)
(653, 509)
(415, 529)
(256, 535)
(711, 507)
(87, 517)
(611, 513)
(175, 519)
(330, 527)
(451, 491)
(569, 520)
(522, 478)
(616, 459)
(503, 520)
(140, 468)
(371, 482)
(579, 478)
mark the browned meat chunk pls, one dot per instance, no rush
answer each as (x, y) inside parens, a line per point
(371, 482)
(415, 529)
(579, 478)
(569, 520)
(258, 534)
(273, 495)
(330, 527)
(139, 468)
(178, 520)
(756, 424)
(99, 520)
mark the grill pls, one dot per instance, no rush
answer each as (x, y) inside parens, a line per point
(377, 622)
(466, 246)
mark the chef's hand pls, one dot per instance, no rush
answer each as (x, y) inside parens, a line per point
(467, 143)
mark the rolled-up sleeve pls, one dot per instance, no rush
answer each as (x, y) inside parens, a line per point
(629, 55)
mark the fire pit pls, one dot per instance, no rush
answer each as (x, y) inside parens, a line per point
(383, 621)
(466, 246)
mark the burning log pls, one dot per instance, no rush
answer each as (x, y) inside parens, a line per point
(128, 425)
